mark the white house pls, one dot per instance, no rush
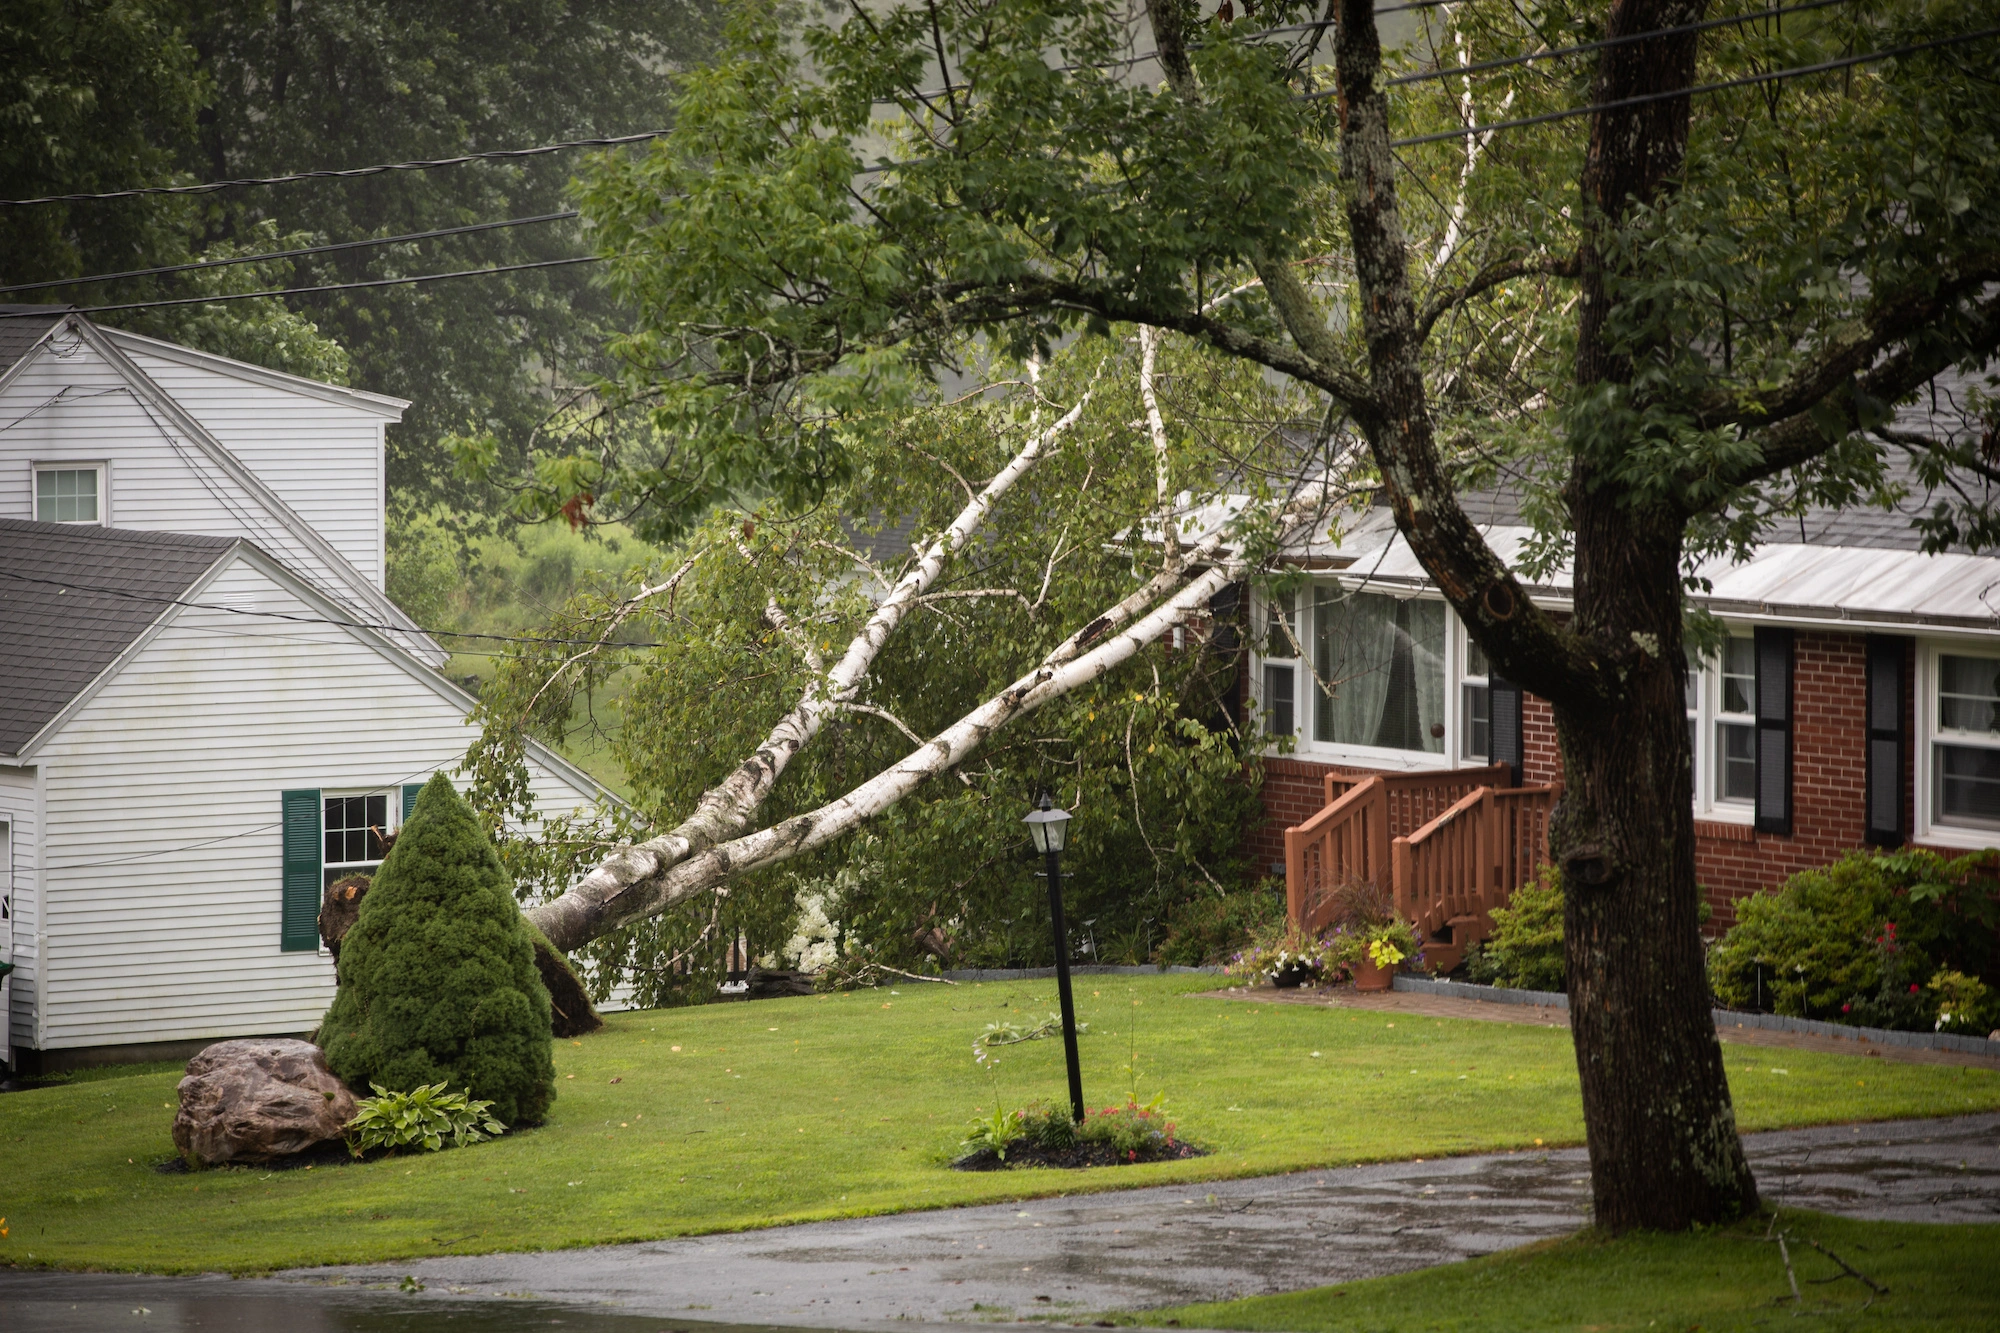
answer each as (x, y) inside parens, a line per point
(206, 700)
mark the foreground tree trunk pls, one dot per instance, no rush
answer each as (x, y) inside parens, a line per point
(1664, 1150)
(1663, 1144)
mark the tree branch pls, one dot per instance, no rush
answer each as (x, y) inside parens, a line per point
(1799, 438)
(1492, 276)
(1890, 321)
(618, 888)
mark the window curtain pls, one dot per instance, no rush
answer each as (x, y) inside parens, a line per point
(1383, 660)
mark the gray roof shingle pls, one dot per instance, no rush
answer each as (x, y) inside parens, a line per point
(72, 598)
(22, 327)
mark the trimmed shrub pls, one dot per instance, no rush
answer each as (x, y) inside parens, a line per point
(1858, 940)
(1525, 949)
(437, 977)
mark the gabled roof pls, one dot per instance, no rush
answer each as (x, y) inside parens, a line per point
(77, 601)
(73, 599)
(376, 404)
(348, 583)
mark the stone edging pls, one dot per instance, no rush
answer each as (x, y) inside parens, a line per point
(1087, 970)
(1933, 1041)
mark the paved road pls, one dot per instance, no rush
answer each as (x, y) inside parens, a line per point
(1122, 1250)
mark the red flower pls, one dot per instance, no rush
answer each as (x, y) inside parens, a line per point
(1845, 1007)
(1913, 988)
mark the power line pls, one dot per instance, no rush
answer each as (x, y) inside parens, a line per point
(290, 254)
(131, 596)
(209, 187)
(304, 291)
(1796, 71)
(1456, 71)
(1583, 48)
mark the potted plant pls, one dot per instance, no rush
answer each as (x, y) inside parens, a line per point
(1373, 952)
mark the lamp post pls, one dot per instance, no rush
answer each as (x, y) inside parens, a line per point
(1047, 826)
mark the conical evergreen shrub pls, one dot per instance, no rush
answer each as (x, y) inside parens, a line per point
(437, 977)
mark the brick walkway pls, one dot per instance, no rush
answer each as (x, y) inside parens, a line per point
(1486, 1011)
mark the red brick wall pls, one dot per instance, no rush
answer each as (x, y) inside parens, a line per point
(1731, 861)
(1294, 791)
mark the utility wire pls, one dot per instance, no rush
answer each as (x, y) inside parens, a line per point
(129, 595)
(290, 254)
(1792, 72)
(1796, 71)
(43, 313)
(1457, 71)
(209, 187)
(1583, 48)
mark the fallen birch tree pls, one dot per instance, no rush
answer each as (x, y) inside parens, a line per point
(731, 832)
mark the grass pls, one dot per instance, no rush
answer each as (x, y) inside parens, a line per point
(1730, 1278)
(834, 1106)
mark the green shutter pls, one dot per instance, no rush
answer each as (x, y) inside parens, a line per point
(300, 931)
(410, 792)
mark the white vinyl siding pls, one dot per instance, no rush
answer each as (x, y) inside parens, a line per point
(152, 938)
(20, 808)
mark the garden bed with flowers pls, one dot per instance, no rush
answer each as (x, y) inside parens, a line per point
(1048, 1136)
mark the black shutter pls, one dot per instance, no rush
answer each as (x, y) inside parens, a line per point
(1504, 743)
(1888, 705)
(299, 929)
(1774, 731)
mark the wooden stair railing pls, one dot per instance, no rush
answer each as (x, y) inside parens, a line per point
(1348, 839)
(1415, 799)
(1449, 847)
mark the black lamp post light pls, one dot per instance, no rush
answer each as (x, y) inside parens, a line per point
(1048, 827)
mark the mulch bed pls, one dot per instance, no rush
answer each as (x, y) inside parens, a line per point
(1082, 1155)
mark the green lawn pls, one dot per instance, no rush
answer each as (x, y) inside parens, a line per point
(830, 1106)
(1938, 1278)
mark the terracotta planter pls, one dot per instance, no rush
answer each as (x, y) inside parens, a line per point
(1368, 977)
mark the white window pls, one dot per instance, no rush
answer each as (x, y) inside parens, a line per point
(1382, 659)
(1721, 704)
(1736, 723)
(1965, 739)
(70, 493)
(1475, 712)
(352, 829)
(1280, 683)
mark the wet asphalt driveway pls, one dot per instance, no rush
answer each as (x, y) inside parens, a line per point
(1127, 1249)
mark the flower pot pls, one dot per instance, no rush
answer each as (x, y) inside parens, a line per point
(1368, 977)
(1292, 976)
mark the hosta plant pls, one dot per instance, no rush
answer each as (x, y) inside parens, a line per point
(427, 1117)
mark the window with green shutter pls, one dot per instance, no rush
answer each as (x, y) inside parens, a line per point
(410, 793)
(300, 929)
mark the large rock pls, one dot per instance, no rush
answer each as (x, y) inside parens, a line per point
(252, 1100)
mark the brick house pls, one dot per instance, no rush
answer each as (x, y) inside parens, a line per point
(1856, 701)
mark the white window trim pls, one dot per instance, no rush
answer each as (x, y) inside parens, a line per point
(101, 466)
(1708, 807)
(1928, 734)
